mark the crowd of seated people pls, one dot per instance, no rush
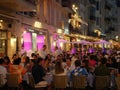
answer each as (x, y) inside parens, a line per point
(42, 70)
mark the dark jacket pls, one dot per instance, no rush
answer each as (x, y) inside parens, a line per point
(102, 70)
(38, 73)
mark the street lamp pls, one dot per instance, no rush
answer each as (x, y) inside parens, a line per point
(75, 8)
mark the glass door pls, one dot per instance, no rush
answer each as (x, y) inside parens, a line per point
(3, 43)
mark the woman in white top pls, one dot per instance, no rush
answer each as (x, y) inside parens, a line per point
(3, 72)
(59, 70)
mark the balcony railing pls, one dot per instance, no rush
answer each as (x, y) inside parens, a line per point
(27, 14)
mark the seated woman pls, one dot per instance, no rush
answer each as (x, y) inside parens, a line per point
(3, 72)
(7, 62)
(59, 70)
(16, 68)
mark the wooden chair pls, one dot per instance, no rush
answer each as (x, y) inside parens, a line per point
(79, 82)
(13, 81)
(102, 82)
(118, 82)
(33, 85)
(60, 82)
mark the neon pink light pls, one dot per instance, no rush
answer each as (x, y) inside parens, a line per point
(40, 41)
(27, 41)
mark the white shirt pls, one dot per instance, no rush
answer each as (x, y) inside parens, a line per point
(3, 72)
(29, 52)
(42, 54)
(57, 52)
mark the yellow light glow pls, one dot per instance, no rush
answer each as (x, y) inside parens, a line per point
(61, 44)
(37, 24)
(13, 41)
(78, 40)
(59, 31)
(108, 46)
(1, 25)
(105, 45)
(100, 45)
(21, 40)
(44, 37)
(1, 20)
(73, 5)
(97, 31)
(24, 32)
(79, 25)
(76, 8)
(54, 43)
(69, 20)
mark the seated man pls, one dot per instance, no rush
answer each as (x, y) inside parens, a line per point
(38, 73)
(78, 70)
(102, 70)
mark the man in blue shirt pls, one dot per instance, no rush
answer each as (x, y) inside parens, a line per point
(78, 70)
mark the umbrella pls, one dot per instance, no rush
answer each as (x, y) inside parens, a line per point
(62, 40)
(84, 42)
(102, 42)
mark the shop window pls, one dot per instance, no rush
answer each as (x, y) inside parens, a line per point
(3, 43)
(27, 42)
(40, 41)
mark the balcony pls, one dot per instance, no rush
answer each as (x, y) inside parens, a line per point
(114, 19)
(111, 28)
(66, 3)
(27, 13)
(92, 17)
(107, 20)
(18, 5)
(107, 7)
(108, 31)
(92, 1)
(74, 30)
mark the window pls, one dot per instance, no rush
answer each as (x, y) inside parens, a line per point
(97, 5)
(97, 20)
(92, 11)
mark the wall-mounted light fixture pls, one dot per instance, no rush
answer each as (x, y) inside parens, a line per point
(1, 24)
(97, 31)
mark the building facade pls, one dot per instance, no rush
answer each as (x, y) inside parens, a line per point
(30, 25)
(103, 18)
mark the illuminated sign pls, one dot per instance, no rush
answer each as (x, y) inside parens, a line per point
(37, 24)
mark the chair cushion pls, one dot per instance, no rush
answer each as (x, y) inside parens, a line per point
(41, 84)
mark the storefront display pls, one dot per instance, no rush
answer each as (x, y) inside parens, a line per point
(27, 41)
(33, 40)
